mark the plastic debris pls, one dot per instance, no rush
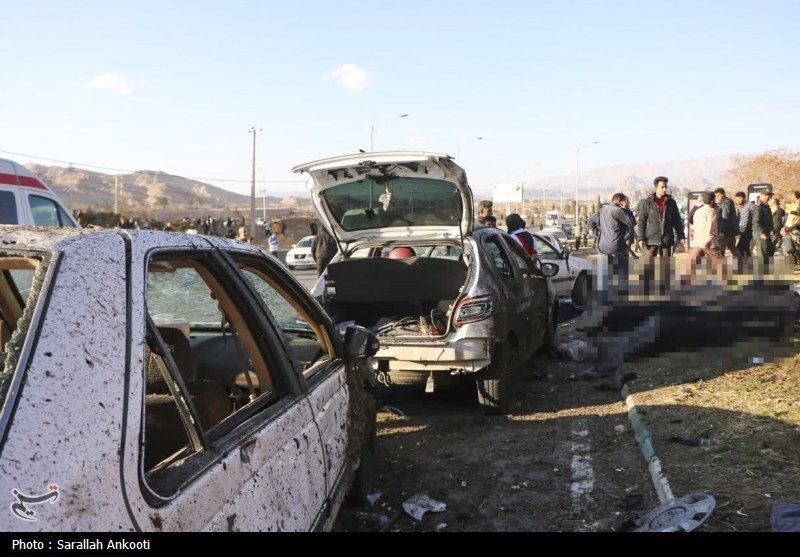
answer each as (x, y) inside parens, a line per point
(594, 372)
(372, 498)
(441, 526)
(757, 360)
(463, 484)
(417, 505)
(785, 517)
(688, 441)
(632, 500)
(619, 429)
(740, 513)
(394, 410)
(574, 350)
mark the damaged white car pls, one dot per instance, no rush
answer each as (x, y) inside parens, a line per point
(157, 381)
(444, 300)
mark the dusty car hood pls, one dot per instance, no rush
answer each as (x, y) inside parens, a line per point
(391, 195)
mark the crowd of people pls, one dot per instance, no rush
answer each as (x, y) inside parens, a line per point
(719, 225)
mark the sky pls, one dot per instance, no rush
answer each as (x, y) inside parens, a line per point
(177, 86)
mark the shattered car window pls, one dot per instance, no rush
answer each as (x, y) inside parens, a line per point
(398, 202)
(181, 292)
(16, 285)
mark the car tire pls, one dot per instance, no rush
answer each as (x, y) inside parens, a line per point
(290, 266)
(495, 384)
(580, 291)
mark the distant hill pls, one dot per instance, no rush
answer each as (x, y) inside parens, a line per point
(140, 192)
(635, 180)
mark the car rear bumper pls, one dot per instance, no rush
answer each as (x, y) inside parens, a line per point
(462, 356)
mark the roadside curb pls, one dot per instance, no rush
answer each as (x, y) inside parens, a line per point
(645, 440)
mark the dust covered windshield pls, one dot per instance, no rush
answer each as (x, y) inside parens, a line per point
(397, 202)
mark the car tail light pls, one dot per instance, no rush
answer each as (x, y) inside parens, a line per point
(471, 310)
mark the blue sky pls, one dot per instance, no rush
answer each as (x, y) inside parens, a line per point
(175, 86)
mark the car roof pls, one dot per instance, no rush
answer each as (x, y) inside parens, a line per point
(35, 238)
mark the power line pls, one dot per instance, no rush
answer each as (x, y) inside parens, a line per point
(85, 165)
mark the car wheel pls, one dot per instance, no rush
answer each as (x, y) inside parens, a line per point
(496, 383)
(580, 291)
(290, 266)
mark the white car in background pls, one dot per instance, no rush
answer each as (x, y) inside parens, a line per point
(300, 254)
(555, 232)
(573, 279)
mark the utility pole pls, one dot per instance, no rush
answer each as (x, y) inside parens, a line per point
(116, 194)
(253, 188)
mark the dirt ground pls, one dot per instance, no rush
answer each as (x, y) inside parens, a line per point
(566, 459)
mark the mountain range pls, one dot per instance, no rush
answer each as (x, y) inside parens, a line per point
(155, 191)
(144, 191)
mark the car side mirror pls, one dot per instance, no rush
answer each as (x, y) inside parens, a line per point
(549, 269)
(359, 343)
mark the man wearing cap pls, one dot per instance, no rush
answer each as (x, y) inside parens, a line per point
(763, 227)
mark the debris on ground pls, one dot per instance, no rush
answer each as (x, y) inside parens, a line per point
(687, 441)
(631, 501)
(785, 517)
(574, 350)
(394, 410)
(417, 505)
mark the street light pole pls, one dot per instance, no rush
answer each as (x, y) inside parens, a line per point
(458, 149)
(577, 168)
(116, 194)
(253, 187)
(372, 129)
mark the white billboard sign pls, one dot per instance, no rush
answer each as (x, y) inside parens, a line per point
(507, 193)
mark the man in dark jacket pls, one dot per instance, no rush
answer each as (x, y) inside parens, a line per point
(613, 228)
(762, 226)
(727, 224)
(745, 211)
(323, 248)
(658, 228)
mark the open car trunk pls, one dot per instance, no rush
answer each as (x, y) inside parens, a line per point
(395, 297)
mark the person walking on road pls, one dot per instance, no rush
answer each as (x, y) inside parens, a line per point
(727, 226)
(613, 227)
(485, 209)
(792, 211)
(323, 248)
(516, 228)
(706, 240)
(658, 229)
(273, 244)
(744, 209)
(763, 227)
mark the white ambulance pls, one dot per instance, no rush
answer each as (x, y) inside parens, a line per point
(25, 199)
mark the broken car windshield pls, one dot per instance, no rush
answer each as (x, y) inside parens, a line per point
(399, 202)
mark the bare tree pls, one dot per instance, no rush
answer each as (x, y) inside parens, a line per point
(779, 167)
